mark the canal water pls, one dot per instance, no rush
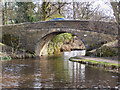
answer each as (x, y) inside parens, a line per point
(55, 72)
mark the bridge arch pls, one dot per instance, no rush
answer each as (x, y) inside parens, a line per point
(44, 41)
(31, 34)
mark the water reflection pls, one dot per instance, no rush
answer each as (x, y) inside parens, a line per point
(55, 72)
(75, 53)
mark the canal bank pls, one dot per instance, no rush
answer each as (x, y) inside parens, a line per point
(9, 53)
(108, 65)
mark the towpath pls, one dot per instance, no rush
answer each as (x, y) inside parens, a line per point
(101, 60)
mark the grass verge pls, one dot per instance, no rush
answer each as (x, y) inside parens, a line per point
(92, 61)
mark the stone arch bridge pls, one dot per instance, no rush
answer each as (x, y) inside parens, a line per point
(33, 36)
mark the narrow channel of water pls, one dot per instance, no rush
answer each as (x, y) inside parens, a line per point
(55, 72)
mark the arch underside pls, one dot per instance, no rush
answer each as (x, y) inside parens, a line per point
(43, 43)
(92, 38)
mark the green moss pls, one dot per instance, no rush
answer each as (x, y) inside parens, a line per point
(75, 57)
(2, 44)
(92, 61)
(5, 58)
(112, 44)
(57, 42)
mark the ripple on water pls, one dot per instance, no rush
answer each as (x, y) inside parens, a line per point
(55, 73)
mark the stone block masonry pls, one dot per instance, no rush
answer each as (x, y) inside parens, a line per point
(31, 35)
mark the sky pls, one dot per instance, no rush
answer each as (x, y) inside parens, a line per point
(104, 5)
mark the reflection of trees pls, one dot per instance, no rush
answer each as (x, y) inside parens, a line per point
(54, 68)
(55, 72)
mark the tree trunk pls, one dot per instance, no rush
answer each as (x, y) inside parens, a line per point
(5, 12)
(74, 12)
(115, 6)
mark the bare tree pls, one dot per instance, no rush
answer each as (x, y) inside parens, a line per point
(80, 10)
(116, 5)
(84, 10)
(4, 11)
(74, 10)
(56, 8)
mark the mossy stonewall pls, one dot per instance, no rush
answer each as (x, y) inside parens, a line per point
(92, 61)
(56, 43)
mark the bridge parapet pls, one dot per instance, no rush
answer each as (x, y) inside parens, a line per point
(95, 26)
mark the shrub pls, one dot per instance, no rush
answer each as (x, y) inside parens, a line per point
(106, 51)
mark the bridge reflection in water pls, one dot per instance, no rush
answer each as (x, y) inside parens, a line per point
(54, 72)
(77, 70)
